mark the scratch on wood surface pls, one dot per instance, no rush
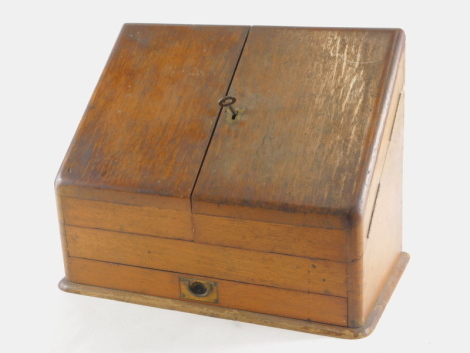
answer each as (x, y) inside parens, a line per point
(349, 92)
(357, 63)
(336, 54)
(361, 98)
(137, 38)
(356, 46)
(344, 59)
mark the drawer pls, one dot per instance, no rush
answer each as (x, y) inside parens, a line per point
(243, 296)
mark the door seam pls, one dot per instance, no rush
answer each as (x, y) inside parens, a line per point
(215, 124)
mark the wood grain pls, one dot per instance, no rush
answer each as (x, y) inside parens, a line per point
(274, 270)
(63, 237)
(376, 170)
(126, 218)
(281, 302)
(122, 197)
(149, 121)
(376, 237)
(312, 100)
(384, 244)
(328, 244)
(246, 316)
(295, 209)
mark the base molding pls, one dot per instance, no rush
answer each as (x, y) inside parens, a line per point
(251, 317)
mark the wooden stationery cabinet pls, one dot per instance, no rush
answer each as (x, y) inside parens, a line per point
(278, 205)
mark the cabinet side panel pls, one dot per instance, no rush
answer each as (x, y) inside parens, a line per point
(383, 246)
(388, 166)
(63, 238)
(382, 155)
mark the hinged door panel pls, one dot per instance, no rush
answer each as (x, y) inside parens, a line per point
(149, 121)
(312, 103)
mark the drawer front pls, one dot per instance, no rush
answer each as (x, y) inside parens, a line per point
(166, 223)
(242, 296)
(322, 243)
(273, 270)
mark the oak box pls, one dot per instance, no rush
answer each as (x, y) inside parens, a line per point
(279, 204)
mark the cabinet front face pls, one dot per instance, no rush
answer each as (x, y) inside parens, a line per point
(260, 282)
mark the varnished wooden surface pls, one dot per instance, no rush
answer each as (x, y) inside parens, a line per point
(282, 203)
(63, 238)
(384, 244)
(146, 220)
(274, 301)
(321, 243)
(274, 270)
(313, 101)
(375, 241)
(150, 118)
(362, 220)
(246, 316)
(123, 198)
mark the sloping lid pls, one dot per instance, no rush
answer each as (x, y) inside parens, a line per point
(149, 121)
(314, 102)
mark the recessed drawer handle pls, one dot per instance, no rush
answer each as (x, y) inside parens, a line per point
(198, 289)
